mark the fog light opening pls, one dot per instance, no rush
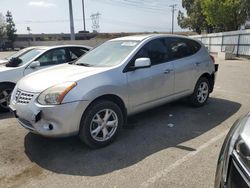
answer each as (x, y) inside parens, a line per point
(48, 127)
(51, 127)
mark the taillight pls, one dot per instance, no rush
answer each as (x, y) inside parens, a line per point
(213, 59)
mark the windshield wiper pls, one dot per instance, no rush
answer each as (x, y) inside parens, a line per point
(84, 64)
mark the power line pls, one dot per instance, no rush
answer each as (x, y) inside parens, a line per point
(132, 4)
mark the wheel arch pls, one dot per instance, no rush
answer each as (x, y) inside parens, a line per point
(8, 83)
(210, 78)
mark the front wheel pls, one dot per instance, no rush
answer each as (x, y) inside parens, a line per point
(201, 93)
(5, 93)
(100, 124)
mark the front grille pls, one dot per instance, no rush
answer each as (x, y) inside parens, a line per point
(23, 97)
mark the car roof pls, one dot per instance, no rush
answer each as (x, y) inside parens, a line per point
(59, 46)
(147, 36)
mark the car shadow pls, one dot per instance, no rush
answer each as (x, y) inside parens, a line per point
(6, 115)
(149, 134)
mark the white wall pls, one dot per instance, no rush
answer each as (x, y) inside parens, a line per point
(217, 42)
(92, 43)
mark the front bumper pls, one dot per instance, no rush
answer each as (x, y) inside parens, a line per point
(231, 172)
(49, 120)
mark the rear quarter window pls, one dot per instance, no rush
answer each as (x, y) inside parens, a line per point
(195, 46)
(181, 47)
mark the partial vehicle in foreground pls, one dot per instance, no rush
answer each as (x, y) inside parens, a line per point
(233, 168)
(92, 97)
(33, 60)
(16, 54)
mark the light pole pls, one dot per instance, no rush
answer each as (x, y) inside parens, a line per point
(29, 32)
(83, 15)
(72, 30)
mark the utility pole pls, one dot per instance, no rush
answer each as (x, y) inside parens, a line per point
(72, 30)
(173, 10)
(83, 15)
(29, 32)
(95, 22)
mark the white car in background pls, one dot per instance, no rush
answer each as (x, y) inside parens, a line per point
(36, 59)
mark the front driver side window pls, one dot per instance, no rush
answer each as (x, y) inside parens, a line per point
(156, 50)
(53, 57)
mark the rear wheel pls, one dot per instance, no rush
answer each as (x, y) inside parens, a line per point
(5, 93)
(100, 124)
(201, 92)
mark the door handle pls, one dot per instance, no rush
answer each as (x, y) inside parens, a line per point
(198, 63)
(167, 71)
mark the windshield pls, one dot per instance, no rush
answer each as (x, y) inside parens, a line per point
(29, 56)
(19, 53)
(108, 54)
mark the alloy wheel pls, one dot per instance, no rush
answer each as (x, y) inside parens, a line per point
(202, 92)
(104, 125)
(5, 98)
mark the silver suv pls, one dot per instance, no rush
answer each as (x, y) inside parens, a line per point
(92, 97)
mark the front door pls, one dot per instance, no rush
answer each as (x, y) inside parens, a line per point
(151, 84)
(49, 58)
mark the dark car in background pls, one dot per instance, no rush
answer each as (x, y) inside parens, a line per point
(233, 168)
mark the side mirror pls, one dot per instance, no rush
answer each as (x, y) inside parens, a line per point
(34, 64)
(140, 63)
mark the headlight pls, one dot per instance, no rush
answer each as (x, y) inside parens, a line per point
(243, 151)
(55, 94)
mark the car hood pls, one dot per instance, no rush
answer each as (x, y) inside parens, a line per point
(3, 68)
(3, 61)
(41, 80)
(245, 133)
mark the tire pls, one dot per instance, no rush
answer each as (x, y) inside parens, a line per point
(198, 99)
(91, 122)
(5, 93)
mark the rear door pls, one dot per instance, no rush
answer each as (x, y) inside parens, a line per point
(76, 52)
(154, 83)
(185, 64)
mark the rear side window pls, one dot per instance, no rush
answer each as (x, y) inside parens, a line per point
(156, 50)
(181, 48)
(194, 45)
(76, 52)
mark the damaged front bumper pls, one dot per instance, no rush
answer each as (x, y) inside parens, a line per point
(49, 120)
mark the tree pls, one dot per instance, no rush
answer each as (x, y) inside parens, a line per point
(226, 15)
(2, 27)
(10, 28)
(195, 19)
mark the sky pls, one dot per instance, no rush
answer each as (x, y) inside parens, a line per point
(52, 16)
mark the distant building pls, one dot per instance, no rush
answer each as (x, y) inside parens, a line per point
(53, 37)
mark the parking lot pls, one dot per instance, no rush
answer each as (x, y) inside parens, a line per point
(170, 146)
